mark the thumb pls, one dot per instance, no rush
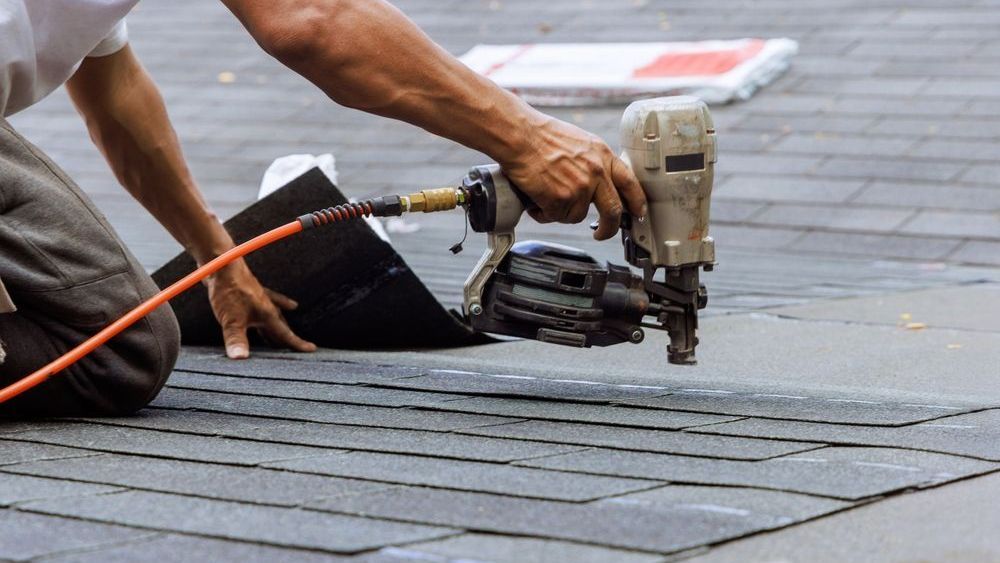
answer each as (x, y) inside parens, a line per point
(235, 337)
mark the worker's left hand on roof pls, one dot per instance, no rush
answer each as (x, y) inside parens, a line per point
(240, 302)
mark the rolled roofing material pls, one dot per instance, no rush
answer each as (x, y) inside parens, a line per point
(582, 74)
(354, 290)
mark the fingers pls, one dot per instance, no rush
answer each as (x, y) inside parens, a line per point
(567, 169)
(609, 207)
(578, 212)
(538, 215)
(279, 333)
(234, 334)
(570, 203)
(629, 188)
(619, 187)
(277, 330)
(283, 302)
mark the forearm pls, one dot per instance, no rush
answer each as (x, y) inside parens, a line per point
(128, 122)
(367, 55)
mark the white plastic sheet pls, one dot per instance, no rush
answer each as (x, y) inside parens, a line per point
(287, 168)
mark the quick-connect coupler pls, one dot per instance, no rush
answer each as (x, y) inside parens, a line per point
(427, 201)
(430, 201)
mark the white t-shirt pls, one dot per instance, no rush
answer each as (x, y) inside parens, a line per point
(42, 43)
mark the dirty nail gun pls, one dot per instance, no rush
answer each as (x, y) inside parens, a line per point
(561, 295)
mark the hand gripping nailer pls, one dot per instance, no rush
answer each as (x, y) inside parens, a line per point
(558, 294)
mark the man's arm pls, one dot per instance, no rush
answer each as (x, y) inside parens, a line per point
(128, 121)
(366, 54)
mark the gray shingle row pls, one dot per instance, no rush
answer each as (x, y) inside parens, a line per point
(845, 473)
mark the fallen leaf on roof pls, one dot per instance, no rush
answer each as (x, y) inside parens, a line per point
(664, 22)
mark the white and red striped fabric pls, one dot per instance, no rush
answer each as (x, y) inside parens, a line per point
(598, 73)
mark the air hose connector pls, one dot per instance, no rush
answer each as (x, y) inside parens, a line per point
(336, 214)
(428, 201)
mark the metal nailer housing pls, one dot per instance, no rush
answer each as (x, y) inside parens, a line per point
(670, 144)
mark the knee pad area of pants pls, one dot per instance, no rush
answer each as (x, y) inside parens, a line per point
(149, 350)
(128, 372)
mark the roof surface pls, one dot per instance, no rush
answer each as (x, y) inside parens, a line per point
(859, 188)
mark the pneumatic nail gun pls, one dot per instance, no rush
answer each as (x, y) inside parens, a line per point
(553, 293)
(538, 290)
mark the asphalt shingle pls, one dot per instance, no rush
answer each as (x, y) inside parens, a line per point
(17, 452)
(507, 549)
(312, 411)
(20, 488)
(172, 548)
(166, 444)
(979, 252)
(227, 520)
(785, 189)
(974, 435)
(243, 439)
(336, 372)
(467, 476)
(463, 382)
(907, 247)
(641, 440)
(583, 412)
(856, 218)
(955, 224)
(651, 527)
(409, 442)
(313, 391)
(27, 536)
(834, 144)
(779, 505)
(935, 196)
(846, 473)
(224, 482)
(848, 410)
(885, 169)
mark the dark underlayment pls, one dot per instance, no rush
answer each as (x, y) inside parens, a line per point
(353, 289)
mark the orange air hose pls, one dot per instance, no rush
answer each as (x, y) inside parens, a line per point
(147, 307)
(428, 201)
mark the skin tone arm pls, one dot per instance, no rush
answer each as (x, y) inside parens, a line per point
(128, 122)
(367, 55)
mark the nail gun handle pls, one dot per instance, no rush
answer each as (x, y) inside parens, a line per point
(495, 203)
(526, 201)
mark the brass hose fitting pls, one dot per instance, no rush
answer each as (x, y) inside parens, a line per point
(430, 201)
